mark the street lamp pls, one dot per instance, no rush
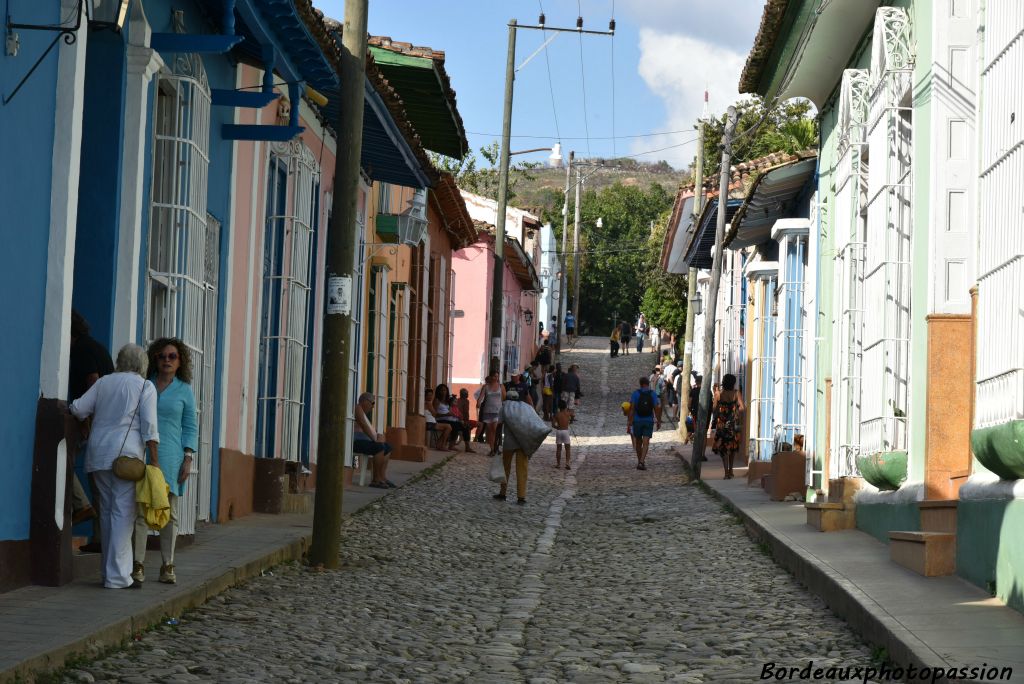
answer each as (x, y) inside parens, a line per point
(506, 136)
(698, 304)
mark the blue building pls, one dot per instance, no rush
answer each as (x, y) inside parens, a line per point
(118, 125)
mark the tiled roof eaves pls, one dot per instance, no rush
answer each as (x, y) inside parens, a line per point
(388, 94)
(452, 207)
(437, 56)
(764, 43)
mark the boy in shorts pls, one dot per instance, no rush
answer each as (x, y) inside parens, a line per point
(561, 424)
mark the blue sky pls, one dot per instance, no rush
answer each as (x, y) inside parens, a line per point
(664, 53)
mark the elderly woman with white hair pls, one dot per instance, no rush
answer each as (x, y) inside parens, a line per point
(123, 407)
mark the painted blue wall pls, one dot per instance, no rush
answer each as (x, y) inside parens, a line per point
(100, 187)
(26, 141)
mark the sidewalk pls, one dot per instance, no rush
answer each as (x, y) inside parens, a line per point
(42, 627)
(926, 622)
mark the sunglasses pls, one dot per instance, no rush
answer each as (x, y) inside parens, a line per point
(173, 356)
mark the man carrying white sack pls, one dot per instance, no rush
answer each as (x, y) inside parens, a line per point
(524, 432)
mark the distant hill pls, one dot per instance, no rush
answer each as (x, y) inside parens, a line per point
(543, 193)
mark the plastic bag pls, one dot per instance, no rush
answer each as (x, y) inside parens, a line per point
(524, 429)
(497, 470)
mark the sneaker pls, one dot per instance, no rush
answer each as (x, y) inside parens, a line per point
(138, 572)
(167, 574)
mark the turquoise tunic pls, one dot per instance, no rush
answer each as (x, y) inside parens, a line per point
(176, 422)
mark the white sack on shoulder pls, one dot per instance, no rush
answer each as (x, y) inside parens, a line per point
(524, 429)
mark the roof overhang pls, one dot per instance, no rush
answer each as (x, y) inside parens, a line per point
(521, 265)
(698, 250)
(761, 269)
(419, 77)
(775, 194)
(452, 207)
(803, 46)
(680, 230)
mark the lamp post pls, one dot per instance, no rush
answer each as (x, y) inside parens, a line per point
(497, 299)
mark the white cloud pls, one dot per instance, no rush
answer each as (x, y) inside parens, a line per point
(677, 68)
(726, 23)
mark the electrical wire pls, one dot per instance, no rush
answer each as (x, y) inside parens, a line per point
(551, 87)
(596, 137)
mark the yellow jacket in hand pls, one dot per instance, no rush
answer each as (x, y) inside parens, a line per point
(151, 495)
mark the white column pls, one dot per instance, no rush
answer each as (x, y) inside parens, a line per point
(143, 63)
(60, 258)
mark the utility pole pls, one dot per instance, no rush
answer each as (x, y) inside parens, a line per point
(576, 250)
(691, 277)
(336, 401)
(699, 437)
(498, 285)
(564, 281)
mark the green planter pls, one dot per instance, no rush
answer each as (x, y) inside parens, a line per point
(1001, 449)
(885, 470)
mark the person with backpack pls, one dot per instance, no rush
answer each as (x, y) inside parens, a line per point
(644, 415)
(641, 333)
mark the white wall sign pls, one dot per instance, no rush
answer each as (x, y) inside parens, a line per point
(339, 295)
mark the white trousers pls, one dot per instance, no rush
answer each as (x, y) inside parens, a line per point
(168, 534)
(117, 521)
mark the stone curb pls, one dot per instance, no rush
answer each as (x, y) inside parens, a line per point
(118, 632)
(839, 593)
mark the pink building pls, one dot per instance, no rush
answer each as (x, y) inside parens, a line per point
(270, 392)
(473, 268)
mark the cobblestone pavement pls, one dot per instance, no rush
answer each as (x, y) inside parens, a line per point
(607, 574)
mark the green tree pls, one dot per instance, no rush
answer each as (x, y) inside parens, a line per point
(664, 301)
(482, 179)
(616, 259)
(786, 128)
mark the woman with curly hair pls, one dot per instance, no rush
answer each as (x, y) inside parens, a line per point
(170, 365)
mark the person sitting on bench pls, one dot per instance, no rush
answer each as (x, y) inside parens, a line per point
(368, 442)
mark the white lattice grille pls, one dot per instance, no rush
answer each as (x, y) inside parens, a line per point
(1000, 339)
(293, 181)
(848, 294)
(887, 257)
(789, 377)
(183, 254)
(398, 369)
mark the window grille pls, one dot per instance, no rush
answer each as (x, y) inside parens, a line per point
(183, 254)
(377, 344)
(848, 294)
(887, 256)
(437, 297)
(763, 402)
(1000, 339)
(790, 338)
(398, 368)
(292, 181)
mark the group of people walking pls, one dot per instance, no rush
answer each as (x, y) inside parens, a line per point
(140, 408)
(623, 333)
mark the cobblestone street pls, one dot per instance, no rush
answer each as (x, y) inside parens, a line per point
(607, 574)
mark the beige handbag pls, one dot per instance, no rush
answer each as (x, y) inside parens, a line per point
(128, 467)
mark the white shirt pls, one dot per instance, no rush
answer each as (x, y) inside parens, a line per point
(667, 372)
(112, 402)
(429, 416)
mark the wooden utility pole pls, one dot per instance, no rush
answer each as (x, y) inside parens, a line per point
(339, 340)
(563, 282)
(576, 251)
(498, 283)
(691, 280)
(704, 412)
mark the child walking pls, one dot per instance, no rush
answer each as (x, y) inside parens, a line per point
(561, 424)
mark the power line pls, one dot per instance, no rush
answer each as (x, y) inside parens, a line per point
(613, 84)
(596, 137)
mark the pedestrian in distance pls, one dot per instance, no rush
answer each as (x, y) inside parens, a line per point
(367, 442)
(123, 406)
(726, 412)
(644, 417)
(693, 405)
(492, 396)
(625, 334)
(570, 326)
(442, 405)
(170, 364)
(560, 422)
(613, 341)
(460, 409)
(572, 391)
(641, 333)
(548, 392)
